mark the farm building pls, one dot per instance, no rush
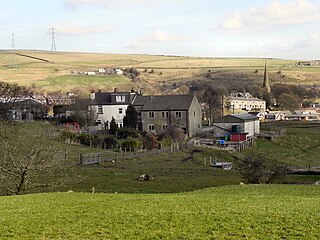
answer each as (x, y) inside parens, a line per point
(238, 126)
(275, 116)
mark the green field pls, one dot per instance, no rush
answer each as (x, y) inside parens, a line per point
(167, 70)
(236, 212)
(177, 172)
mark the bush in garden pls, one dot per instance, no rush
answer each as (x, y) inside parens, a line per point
(125, 132)
(67, 136)
(110, 142)
(86, 139)
(131, 144)
(149, 141)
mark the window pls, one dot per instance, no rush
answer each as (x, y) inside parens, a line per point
(151, 127)
(199, 125)
(165, 114)
(178, 114)
(100, 109)
(120, 110)
(120, 98)
(164, 127)
(194, 113)
(151, 114)
(120, 125)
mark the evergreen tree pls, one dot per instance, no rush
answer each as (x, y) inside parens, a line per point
(113, 127)
(131, 118)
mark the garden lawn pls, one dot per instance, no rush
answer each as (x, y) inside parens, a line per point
(235, 212)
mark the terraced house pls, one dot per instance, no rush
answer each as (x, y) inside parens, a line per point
(156, 113)
(108, 105)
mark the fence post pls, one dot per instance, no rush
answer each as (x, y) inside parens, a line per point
(80, 159)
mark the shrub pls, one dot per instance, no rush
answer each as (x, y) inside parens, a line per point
(86, 139)
(110, 142)
(131, 144)
(67, 136)
(149, 141)
(125, 132)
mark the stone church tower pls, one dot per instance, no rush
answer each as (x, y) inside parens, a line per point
(266, 80)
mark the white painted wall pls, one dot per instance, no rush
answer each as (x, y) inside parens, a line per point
(110, 111)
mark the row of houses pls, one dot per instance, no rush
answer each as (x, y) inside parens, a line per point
(155, 113)
(270, 116)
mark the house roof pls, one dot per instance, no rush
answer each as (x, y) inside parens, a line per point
(246, 99)
(166, 102)
(108, 98)
(80, 104)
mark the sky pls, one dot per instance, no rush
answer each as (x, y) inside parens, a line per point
(287, 29)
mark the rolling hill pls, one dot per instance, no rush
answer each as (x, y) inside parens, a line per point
(53, 71)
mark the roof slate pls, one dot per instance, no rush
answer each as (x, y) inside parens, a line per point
(165, 102)
(105, 98)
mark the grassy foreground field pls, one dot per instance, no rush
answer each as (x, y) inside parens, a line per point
(237, 212)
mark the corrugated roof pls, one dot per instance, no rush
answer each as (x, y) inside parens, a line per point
(166, 102)
(245, 116)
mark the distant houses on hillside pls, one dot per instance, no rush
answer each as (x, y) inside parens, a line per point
(101, 71)
(313, 63)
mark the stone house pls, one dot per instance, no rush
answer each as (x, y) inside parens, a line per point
(156, 113)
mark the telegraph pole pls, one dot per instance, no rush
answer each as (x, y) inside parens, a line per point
(53, 39)
(13, 53)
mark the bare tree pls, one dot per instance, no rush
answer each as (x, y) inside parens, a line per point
(10, 94)
(214, 98)
(27, 162)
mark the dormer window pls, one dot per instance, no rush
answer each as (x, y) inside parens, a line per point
(120, 98)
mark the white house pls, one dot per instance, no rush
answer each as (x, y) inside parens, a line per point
(245, 101)
(102, 70)
(118, 71)
(110, 105)
(90, 73)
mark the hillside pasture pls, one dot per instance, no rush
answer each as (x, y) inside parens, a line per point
(167, 69)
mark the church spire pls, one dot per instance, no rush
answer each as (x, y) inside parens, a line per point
(266, 80)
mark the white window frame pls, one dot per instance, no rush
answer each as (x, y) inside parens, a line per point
(100, 109)
(178, 114)
(120, 98)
